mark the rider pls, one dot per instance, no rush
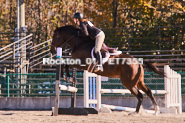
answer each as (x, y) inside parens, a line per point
(88, 29)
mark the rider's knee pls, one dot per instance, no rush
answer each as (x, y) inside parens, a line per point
(95, 50)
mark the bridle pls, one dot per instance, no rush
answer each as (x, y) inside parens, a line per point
(62, 39)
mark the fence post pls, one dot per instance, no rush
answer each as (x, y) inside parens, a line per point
(7, 81)
(98, 94)
(86, 89)
(57, 82)
(29, 54)
(14, 57)
(5, 70)
(179, 95)
(166, 84)
(0, 41)
(0, 90)
(73, 94)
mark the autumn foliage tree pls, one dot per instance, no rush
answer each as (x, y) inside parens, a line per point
(43, 16)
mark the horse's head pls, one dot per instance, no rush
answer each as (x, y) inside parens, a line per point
(61, 36)
(55, 42)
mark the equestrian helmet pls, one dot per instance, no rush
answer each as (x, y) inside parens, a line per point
(78, 15)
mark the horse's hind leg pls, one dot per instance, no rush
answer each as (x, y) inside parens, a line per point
(139, 96)
(142, 86)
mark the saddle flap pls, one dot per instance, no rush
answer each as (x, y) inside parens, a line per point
(105, 55)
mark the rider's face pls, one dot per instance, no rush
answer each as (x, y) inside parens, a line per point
(76, 21)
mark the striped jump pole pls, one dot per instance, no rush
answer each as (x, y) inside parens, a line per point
(57, 93)
(68, 88)
(73, 94)
(126, 91)
(126, 108)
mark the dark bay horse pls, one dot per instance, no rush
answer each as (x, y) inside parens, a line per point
(131, 75)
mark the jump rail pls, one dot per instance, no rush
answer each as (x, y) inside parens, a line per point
(68, 88)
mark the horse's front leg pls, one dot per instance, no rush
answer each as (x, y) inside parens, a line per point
(67, 77)
(61, 71)
(62, 74)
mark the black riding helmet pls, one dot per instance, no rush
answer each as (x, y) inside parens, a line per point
(78, 15)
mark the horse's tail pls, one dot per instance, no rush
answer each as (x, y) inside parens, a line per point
(154, 68)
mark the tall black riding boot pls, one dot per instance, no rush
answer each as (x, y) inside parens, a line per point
(99, 66)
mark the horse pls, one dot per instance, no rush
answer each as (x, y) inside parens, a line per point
(131, 75)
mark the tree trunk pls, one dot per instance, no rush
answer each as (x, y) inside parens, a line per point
(115, 7)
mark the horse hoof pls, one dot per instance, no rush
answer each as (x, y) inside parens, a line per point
(156, 110)
(98, 69)
(73, 80)
(65, 78)
(68, 79)
(133, 114)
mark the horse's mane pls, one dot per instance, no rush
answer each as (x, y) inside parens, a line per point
(67, 28)
(72, 28)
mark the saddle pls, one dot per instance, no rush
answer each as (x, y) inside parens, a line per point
(106, 52)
